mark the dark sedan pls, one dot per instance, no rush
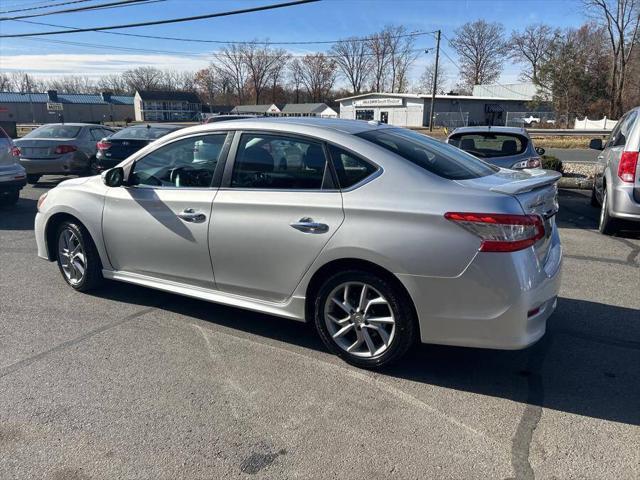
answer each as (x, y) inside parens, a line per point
(115, 148)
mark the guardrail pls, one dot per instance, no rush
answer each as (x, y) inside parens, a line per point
(565, 132)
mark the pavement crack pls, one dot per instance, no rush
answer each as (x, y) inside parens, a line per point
(521, 445)
(14, 367)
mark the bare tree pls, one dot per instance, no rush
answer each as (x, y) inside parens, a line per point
(208, 84)
(318, 74)
(143, 78)
(277, 71)
(480, 47)
(232, 66)
(353, 59)
(425, 84)
(531, 46)
(5, 82)
(22, 82)
(260, 61)
(113, 83)
(72, 84)
(622, 21)
(295, 74)
(380, 50)
(402, 56)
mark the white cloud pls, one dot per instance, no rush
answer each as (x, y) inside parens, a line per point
(96, 65)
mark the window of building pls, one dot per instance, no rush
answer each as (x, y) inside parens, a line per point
(364, 114)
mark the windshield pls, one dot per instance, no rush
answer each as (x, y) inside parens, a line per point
(434, 156)
(142, 133)
(54, 131)
(489, 145)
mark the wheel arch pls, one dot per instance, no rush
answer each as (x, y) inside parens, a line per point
(51, 229)
(342, 264)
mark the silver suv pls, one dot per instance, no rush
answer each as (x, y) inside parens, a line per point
(617, 180)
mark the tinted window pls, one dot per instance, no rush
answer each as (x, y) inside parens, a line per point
(280, 162)
(97, 133)
(143, 133)
(190, 162)
(488, 145)
(434, 156)
(350, 169)
(54, 131)
(619, 135)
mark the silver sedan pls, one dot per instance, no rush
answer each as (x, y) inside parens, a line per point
(378, 236)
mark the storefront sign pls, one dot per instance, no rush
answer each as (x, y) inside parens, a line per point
(378, 102)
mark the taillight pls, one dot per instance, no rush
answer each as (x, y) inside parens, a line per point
(62, 149)
(15, 151)
(533, 162)
(501, 232)
(103, 145)
(627, 166)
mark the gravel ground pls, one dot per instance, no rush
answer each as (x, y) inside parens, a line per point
(133, 383)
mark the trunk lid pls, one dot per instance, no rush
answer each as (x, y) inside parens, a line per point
(121, 148)
(536, 190)
(42, 148)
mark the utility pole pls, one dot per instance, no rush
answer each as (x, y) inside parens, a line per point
(435, 81)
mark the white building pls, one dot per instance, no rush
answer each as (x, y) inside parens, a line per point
(166, 106)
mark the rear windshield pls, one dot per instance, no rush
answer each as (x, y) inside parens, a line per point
(54, 131)
(490, 145)
(142, 133)
(432, 155)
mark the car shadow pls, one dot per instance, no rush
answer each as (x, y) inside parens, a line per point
(585, 364)
(19, 216)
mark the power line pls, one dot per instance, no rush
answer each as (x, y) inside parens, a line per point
(232, 42)
(167, 21)
(50, 5)
(119, 3)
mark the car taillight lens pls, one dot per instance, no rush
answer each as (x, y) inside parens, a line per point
(501, 232)
(62, 149)
(15, 151)
(103, 145)
(533, 162)
(627, 166)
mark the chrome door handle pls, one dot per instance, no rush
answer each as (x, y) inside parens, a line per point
(307, 225)
(191, 216)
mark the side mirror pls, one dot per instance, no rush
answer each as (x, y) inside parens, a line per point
(540, 151)
(114, 177)
(596, 144)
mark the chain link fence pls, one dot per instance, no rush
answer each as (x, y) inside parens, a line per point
(451, 120)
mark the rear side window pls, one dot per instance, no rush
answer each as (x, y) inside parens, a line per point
(490, 145)
(142, 133)
(280, 162)
(350, 169)
(436, 157)
(54, 131)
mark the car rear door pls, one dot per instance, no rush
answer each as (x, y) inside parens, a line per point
(273, 214)
(158, 225)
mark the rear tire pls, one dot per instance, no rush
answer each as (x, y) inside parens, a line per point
(33, 179)
(608, 225)
(9, 198)
(368, 330)
(78, 257)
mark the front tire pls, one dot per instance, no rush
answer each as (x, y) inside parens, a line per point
(78, 257)
(32, 179)
(608, 225)
(364, 319)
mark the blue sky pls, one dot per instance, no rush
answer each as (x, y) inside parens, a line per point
(325, 20)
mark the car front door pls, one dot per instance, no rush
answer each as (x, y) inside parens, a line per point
(276, 210)
(157, 225)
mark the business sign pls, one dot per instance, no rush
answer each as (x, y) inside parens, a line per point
(54, 107)
(378, 102)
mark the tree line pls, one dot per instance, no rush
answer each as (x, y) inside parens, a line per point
(590, 70)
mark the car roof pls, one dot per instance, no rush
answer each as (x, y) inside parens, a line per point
(485, 129)
(70, 124)
(167, 126)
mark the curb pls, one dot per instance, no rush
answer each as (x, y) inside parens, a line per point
(577, 183)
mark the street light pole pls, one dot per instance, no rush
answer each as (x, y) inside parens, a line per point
(435, 81)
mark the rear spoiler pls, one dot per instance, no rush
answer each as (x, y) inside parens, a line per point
(540, 178)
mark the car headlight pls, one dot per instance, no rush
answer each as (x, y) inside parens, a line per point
(533, 162)
(41, 200)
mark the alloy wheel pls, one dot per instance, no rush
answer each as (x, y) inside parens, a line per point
(360, 320)
(73, 259)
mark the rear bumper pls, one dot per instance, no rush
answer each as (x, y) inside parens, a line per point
(64, 165)
(12, 178)
(500, 301)
(624, 203)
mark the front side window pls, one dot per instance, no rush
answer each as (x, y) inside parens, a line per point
(490, 145)
(350, 169)
(190, 162)
(280, 162)
(432, 155)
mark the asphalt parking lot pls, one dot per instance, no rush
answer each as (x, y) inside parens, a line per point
(133, 383)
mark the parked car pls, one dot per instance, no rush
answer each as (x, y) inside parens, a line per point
(616, 187)
(506, 147)
(222, 118)
(60, 149)
(12, 175)
(380, 237)
(119, 145)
